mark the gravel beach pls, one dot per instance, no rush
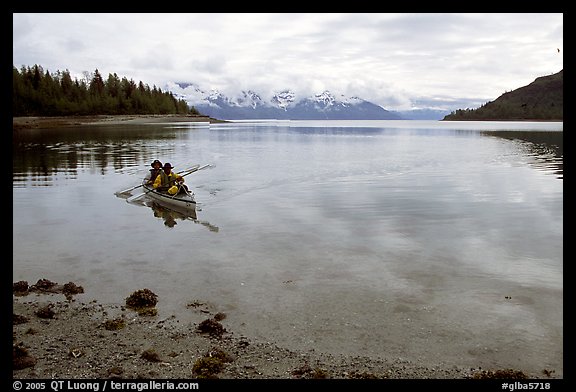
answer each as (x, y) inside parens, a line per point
(52, 122)
(57, 335)
(80, 341)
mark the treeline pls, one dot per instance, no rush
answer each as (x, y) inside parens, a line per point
(40, 93)
(510, 111)
(542, 99)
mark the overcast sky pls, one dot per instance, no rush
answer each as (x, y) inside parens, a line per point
(397, 61)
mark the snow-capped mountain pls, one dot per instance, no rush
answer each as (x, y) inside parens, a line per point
(283, 99)
(283, 105)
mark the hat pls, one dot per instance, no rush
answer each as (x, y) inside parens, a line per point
(155, 162)
(168, 165)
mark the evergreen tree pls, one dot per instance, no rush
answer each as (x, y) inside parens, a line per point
(39, 93)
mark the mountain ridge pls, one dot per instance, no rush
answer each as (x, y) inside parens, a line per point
(248, 104)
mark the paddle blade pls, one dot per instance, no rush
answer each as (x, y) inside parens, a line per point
(191, 168)
(129, 189)
(135, 197)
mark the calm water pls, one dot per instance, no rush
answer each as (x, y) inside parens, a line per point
(363, 237)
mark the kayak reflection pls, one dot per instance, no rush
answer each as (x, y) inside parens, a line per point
(169, 213)
(171, 216)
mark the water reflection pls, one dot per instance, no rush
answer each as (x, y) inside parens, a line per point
(41, 155)
(545, 150)
(170, 216)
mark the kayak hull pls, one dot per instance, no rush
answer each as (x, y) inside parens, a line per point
(184, 201)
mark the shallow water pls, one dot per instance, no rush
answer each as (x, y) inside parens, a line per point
(417, 239)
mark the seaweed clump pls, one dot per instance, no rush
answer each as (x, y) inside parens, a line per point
(71, 289)
(500, 374)
(364, 375)
(21, 359)
(207, 367)
(212, 363)
(18, 319)
(219, 316)
(306, 371)
(20, 288)
(46, 312)
(43, 285)
(211, 327)
(150, 355)
(115, 324)
(143, 301)
(46, 286)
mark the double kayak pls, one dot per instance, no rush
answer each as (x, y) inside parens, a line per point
(182, 200)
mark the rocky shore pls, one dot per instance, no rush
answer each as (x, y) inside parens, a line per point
(56, 335)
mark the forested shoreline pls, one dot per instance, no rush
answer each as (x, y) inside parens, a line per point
(541, 100)
(37, 92)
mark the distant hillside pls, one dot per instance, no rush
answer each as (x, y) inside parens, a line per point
(543, 99)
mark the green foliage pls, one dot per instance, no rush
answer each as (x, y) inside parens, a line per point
(39, 93)
(542, 99)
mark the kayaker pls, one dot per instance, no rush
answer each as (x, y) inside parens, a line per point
(168, 181)
(156, 169)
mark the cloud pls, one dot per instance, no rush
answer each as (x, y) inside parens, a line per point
(391, 59)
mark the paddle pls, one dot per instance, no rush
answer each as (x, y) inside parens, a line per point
(189, 171)
(136, 197)
(129, 189)
(195, 167)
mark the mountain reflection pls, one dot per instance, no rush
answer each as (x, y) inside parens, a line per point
(545, 149)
